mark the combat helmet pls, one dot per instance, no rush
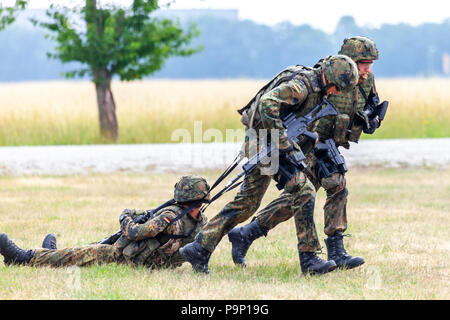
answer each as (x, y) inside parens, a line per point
(341, 71)
(359, 48)
(191, 188)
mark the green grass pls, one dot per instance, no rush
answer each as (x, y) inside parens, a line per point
(398, 221)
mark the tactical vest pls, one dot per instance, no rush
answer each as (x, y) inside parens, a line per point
(308, 76)
(348, 103)
(159, 251)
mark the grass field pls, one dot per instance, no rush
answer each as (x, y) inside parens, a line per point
(399, 221)
(47, 113)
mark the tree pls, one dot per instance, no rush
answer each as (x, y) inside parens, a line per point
(7, 14)
(113, 40)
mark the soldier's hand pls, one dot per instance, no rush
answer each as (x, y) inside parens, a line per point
(122, 216)
(293, 146)
(126, 213)
(373, 125)
(140, 219)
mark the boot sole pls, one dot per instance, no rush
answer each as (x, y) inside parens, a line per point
(347, 267)
(48, 242)
(314, 273)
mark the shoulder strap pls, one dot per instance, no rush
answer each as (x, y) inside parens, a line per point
(178, 217)
(271, 83)
(363, 93)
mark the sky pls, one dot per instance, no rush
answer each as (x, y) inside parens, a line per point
(323, 14)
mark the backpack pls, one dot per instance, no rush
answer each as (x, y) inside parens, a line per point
(250, 118)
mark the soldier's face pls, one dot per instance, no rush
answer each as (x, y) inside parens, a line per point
(364, 67)
(194, 212)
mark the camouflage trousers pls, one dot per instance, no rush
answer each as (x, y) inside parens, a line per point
(297, 202)
(78, 256)
(335, 208)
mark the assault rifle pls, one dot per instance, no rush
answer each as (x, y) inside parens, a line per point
(373, 109)
(139, 219)
(329, 160)
(296, 128)
(297, 131)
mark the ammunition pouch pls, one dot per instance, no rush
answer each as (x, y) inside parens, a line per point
(149, 246)
(341, 125)
(354, 133)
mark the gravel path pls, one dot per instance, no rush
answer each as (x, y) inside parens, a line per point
(63, 160)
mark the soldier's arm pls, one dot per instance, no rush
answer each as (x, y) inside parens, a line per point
(290, 94)
(149, 229)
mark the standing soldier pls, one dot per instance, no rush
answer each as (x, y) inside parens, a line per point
(154, 243)
(342, 129)
(299, 92)
(347, 126)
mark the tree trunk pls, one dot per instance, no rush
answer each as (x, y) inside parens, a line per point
(109, 128)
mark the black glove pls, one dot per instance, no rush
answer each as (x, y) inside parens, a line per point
(125, 213)
(373, 125)
(141, 219)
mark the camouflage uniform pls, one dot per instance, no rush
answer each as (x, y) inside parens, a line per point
(335, 215)
(342, 131)
(154, 243)
(148, 244)
(300, 95)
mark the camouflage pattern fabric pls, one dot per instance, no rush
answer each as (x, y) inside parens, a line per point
(149, 251)
(244, 205)
(359, 48)
(191, 188)
(344, 104)
(78, 256)
(289, 93)
(298, 203)
(163, 251)
(298, 198)
(341, 71)
(335, 212)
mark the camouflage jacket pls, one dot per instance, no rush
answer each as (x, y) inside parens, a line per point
(300, 95)
(156, 242)
(346, 103)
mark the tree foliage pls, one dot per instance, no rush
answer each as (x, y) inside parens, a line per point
(8, 14)
(127, 42)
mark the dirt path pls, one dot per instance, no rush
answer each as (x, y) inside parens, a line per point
(62, 160)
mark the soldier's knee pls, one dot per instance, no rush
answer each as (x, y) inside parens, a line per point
(335, 184)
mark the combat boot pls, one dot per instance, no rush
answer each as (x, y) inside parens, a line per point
(49, 242)
(312, 264)
(197, 256)
(241, 238)
(336, 252)
(13, 254)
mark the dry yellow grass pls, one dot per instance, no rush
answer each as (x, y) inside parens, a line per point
(149, 111)
(398, 219)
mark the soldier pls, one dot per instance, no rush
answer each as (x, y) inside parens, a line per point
(342, 129)
(347, 126)
(153, 244)
(303, 90)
